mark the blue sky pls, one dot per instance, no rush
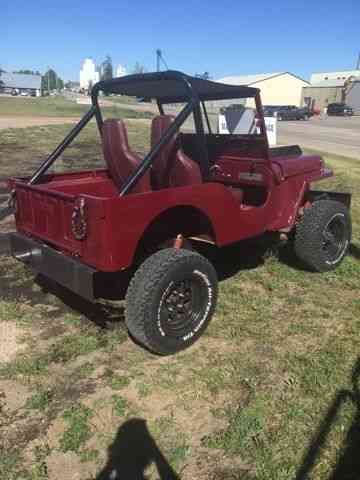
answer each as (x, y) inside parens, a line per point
(222, 37)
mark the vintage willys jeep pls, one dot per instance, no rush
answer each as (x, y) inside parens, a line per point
(141, 214)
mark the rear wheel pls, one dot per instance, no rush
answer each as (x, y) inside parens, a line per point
(171, 300)
(323, 235)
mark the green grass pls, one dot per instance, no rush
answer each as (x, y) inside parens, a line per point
(78, 430)
(245, 402)
(30, 148)
(59, 106)
(119, 405)
(40, 400)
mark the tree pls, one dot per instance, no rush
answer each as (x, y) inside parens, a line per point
(107, 69)
(204, 76)
(26, 72)
(138, 68)
(90, 87)
(50, 81)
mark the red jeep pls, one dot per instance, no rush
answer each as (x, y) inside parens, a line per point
(142, 214)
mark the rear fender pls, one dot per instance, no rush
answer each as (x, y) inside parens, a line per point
(316, 195)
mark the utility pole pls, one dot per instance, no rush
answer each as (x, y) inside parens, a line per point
(158, 57)
(358, 63)
(48, 79)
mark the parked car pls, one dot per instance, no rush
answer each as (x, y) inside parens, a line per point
(137, 225)
(286, 112)
(306, 112)
(339, 109)
(270, 110)
(24, 93)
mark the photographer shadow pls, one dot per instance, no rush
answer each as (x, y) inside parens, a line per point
(348, 463)
(132, 452)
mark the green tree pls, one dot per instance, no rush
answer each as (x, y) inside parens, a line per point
(90, 87)
(26, 72)
(204, 76)
(51, 81)
(107, 69)
(138, 68)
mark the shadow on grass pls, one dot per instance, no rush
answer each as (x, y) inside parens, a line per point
(354, 251)
(228, 261)
(287, 256)
(132, 452)
(103, 315)
(348, 464)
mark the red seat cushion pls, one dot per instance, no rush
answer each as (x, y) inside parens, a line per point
(120, 160)
(171, 167)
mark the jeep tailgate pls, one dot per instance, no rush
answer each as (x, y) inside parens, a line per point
(46, 214)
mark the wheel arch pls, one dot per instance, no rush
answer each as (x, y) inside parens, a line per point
(184, 219)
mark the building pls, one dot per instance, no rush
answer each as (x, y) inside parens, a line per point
(342, 75)
(20, 82)
(318, 95)
(120, 71)
(88, 74)
(353, 95)
(282, 88)
(330, 87)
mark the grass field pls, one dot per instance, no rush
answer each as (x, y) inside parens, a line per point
(58, 106)
(270, 392)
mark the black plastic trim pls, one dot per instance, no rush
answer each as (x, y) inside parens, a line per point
(66, 271)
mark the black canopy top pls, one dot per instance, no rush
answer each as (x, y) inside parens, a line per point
(172, 87)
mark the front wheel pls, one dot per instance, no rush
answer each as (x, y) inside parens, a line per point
(170, 300)
(323, 235)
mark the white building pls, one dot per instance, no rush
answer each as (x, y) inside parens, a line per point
(88, 73)
(120, 71)
(342, 75)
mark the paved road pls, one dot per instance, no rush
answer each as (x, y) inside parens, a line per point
(337, 135)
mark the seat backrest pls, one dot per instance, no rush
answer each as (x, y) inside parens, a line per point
(120, 160)
(171, 167)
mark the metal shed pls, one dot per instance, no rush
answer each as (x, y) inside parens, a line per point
(21, 82)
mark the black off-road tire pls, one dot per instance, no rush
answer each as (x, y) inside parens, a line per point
(323, 235)
(158, 312)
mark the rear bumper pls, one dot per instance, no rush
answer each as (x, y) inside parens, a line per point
(66, 271)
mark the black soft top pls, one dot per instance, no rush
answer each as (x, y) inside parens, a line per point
(171, 87)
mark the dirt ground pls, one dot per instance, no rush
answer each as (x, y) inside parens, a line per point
(22, 122)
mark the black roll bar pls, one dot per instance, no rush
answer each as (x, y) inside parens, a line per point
(145, 164)
(61, 147)
(192, 106)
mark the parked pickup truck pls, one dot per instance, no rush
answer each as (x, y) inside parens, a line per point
(287, 112)
(143, 217)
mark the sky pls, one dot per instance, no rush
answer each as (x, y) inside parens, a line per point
(221, 37)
